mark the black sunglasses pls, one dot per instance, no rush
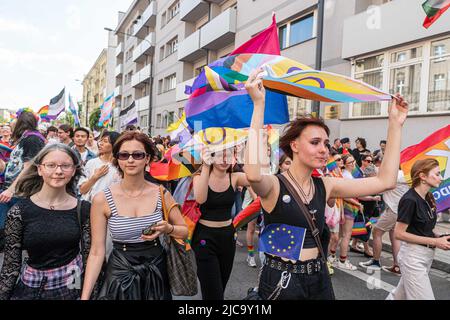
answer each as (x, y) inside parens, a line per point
(369, 161)
(126, 155)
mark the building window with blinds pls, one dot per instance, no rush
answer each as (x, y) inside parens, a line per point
(370, 71)
(439, 84)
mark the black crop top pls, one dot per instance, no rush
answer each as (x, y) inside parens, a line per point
(287, 211)
(218, 205)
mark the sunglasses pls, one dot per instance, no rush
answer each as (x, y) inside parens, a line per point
(126, 155)
(338, 159)
(368, 161)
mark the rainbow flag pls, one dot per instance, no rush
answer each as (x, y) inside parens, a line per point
(43, 113)
(434, 9)
(372, 221)
(357, 173)
(331, 164)
(359, 229)
(350, 209)
(436, 146)
(251, 212)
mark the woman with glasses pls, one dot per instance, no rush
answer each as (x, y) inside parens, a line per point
(47, 223)
(137, 268)
(415, 228)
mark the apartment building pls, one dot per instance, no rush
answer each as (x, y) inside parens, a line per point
(381, 42)
(94, 87)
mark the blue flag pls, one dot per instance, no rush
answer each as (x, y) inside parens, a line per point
(282, 240)
(74, 111)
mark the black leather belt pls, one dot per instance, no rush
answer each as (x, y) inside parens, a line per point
(428, 246)
(307, 267)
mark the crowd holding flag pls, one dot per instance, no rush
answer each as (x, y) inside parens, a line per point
(437, 146)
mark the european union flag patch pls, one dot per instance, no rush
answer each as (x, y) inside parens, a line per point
(282, 240)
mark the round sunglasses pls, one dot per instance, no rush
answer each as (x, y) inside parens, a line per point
(137, 155)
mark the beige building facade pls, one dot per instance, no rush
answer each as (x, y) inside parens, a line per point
(364, 39)
(94, 87)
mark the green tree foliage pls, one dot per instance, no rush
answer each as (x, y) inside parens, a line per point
(93, 119)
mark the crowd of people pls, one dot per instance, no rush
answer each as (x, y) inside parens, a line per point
(71, 200)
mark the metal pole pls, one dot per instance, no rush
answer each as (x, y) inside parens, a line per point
(319, 44)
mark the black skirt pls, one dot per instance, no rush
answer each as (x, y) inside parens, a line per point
(136, 272)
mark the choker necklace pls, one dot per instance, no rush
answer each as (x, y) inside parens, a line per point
(129, 195)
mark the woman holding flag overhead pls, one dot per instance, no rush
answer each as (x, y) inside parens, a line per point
(213, 241)
(294, 202)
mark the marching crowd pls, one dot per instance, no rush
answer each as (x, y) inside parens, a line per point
(73, 201)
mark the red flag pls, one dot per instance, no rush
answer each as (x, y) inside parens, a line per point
(266, 42)
(434, 9)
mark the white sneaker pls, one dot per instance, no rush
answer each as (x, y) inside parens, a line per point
(251, 262)
(370, 265)
(332, 259)
(346, 265)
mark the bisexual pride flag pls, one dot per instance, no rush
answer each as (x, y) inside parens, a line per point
(282, 240)
(435, 146)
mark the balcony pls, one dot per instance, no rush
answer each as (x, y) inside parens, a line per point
(193, 10)
(220, 31)
(143, 103)
(119, 70)
(180, 95)
(119, 51)
(141, 78)
(363, 34)
(118, 91)
(145, 48)
(189, 49)
(147, 20)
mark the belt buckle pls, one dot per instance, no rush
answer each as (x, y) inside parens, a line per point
(309, 268)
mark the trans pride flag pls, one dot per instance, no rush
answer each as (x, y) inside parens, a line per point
(435, 146)
(106, 111)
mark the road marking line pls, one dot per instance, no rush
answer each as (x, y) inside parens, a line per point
(373, 280)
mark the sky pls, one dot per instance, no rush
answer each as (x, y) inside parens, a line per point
(47, 45)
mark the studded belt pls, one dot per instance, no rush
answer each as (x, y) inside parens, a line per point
(307, 267)
(136, 246)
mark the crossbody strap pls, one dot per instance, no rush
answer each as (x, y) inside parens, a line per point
(314, 229)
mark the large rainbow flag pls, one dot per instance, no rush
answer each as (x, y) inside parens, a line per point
(435, 146)
(219, 99)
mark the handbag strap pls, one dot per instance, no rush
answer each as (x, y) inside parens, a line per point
(314, 229)
(80, 224)
(191, 185)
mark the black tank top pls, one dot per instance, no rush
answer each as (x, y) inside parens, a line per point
(287, 211)
(218, 205)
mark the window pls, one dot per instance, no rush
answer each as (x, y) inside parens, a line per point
(158, 121)
(405, 71)
(198, 70)
(369, 71)
(298, 107)
(173, 11)
(128, 77)
(144, 120)
(161, 53)
(171, 117)
(160, 86)
(163, 20)
(296, 31)
(170, 82)
(439, 84)
(180, 112)
(172, 46)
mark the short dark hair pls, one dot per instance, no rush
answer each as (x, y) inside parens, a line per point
(295, 129)
(383, 141)
(362, 141)
(112, 135)
(67, 129)
(365, 156)
(345, 140)
(81, 129)
(52, 129)
(337, 139)
(129, 136)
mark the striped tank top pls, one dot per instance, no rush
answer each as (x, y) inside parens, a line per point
(129, 229)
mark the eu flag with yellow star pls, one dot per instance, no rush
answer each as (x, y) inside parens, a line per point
(282, 240)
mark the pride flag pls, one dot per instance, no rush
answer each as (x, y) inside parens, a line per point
(434, 9)
(43, 113)
(436, 146)
(331, 164)
(106, 111)
(357, 173)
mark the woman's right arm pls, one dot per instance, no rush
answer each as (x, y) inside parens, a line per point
(13, 252)
(401, 234)
(261, 184)
(98, 243)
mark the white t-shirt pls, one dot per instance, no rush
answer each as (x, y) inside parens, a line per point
(112, 177)
(83, 156)
(347, 174)
(392, 197)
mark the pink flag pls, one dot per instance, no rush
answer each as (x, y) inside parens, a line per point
(265, 42)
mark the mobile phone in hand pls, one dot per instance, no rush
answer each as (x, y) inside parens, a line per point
(148, 231)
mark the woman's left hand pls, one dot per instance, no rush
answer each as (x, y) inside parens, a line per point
(398, 110)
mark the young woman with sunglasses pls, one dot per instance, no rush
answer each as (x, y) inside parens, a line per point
(213, 241)
(47, 224)
(132, 209)
(304, 141)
